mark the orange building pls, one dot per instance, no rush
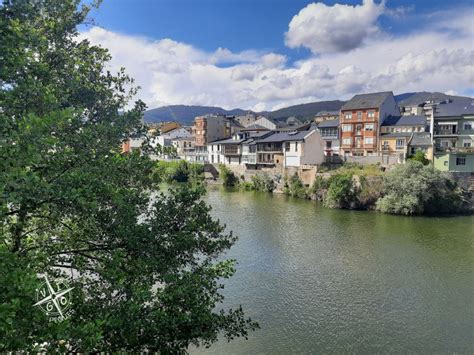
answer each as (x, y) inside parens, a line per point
(360, 121)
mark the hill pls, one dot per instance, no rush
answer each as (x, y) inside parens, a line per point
(185, 114)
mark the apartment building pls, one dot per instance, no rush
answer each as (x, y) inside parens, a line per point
(360, 121)
(210, 128)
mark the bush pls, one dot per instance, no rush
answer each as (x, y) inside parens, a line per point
(420, 157)
(341, 192)
(319, 186)
(371, 189)
(178, 171)
(294, 187)
(263, 183)
(413, 188)
(227, 176)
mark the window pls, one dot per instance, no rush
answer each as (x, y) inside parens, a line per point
(369, 126)
(346, 141)
(348, 116)
(346, 127)
(328, 144)
(287, 146)
(468, 126)
(460, 160)
(371, 114)
(359, 115)
(369, 140)
(296, 146)
(358, 154)
(400, 143)
(466, 143)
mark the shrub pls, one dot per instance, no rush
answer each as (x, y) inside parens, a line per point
(319, 186)
(263, 183)
(294, 187)
(227, 176)
(413, 188)
(178, 171)
(341, 192)
(371, 189)
(420, 157)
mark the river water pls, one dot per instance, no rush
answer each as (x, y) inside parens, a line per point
(334, 281)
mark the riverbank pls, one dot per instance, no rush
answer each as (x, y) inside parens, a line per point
(408, 189)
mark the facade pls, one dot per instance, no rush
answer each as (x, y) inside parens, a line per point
(396, 132)
(266, 122)
(184, 147)
(454, 136)
(420, 142)
(329, 130)
(210, 128)
(360, 122)
(291, 149)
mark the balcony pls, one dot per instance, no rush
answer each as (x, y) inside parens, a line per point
(231, 150)
(454, 149)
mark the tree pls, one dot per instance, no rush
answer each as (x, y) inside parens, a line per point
(146, 273)
(413, 188)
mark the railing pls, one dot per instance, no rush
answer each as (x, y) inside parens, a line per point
(454, 149)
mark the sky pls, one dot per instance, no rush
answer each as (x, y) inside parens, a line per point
(268, 54)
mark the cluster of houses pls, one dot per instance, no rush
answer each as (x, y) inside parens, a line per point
(369, 128)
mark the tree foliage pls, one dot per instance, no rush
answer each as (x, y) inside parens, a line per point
(413, 188)
(145, 265)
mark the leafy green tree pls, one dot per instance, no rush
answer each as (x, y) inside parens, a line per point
(413, 188)
(145, 265)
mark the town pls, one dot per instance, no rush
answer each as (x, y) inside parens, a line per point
(370, 128)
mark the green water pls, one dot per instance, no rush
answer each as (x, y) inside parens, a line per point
(333, 281)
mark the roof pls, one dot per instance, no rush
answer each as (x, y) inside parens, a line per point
(329, 124)
(458, 107)
(396, 135)
(285, 136)
(327, 113)
(254, 127)
(228, 141)
(421, 140)
(413, 120)
(364, 101)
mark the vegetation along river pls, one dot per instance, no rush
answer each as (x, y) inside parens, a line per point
(335, 281)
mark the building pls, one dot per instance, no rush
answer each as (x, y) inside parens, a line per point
(247, 120)
(420, 142)
(210, 128)
(360, 121)
(291, 149)
(184, 147)
(454, 135)
(397, 131)
(238, 150)
(329, 130)
(322, 116)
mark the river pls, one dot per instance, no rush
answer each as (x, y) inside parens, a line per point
(335, 281)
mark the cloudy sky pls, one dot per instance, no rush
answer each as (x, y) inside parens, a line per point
(268, 54)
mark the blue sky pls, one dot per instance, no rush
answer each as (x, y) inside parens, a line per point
(251, 29)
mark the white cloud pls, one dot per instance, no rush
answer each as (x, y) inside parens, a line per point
(331, 29)
(170, 72)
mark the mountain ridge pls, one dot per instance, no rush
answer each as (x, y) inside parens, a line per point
(185, 114)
